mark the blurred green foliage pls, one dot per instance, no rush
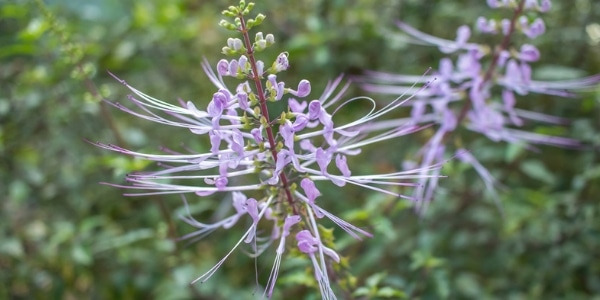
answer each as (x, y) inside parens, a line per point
(66, 236)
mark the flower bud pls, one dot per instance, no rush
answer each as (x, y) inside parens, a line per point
(227, 25)
(462, 35)
(545, 6)
(243, 64)
(314, 110)
(270, 39)
(233, 67)
(281, 63)
(223, 67)
(303, 89)
(259, 19)
(493, 3)
(535, 29)
(529, 53)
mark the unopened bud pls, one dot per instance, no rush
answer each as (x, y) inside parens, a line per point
(227, 25)
(259, 19)
(270, 39)
(259, 37)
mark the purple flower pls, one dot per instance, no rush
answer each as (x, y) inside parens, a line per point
(486, 26)
(529, 53)
(493, 3)
(311, 245)
(464, 94)
(303, 89)
(535, 29)
(310, 189)
(287, 225)
(545, 6)
(281, 63)
(249, 152)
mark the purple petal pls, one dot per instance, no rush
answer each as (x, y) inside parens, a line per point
(308, 146)
(503, 57)
(505, 24)
(243, 64)
(463, 33)
(223, 67)
(449, 120)
(446, 68)
(418, 110)
(219, 102)
(529, 53)
(303, 89)
(530, 4)
(260, 66)
(300, 122)
(257, 134)
(289, 222)
(545, 6)
(233, 67)
(310, 189)
(307, 243)
(252, 207)
(287, 133)
(525, 73)
(340, 162)
(295, 106)
(535, 29)
(276, 86)
(323, 160)
(215, 141)
(221, 182)
(281, 63)
(486, 26)
(508, 98)
(493, 3)
(314, 109)
(243, 101)
(239, 202)
(237, 143)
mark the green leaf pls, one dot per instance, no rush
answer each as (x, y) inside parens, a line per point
(537, 170)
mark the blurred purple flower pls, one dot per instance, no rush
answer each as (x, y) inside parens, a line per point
(462, 91)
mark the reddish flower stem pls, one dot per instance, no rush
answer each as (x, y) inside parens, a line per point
(494, 64)
(264, 109)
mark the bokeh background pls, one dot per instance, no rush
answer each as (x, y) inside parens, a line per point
(65, 236)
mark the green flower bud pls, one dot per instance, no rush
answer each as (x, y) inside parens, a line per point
(259, 19)
(228, 13)
(234, 10)
(282, 118)
(250, 23)
(260, 45)
(228, 51)
(227, 25)
(248, 8)
(263, 120)
(258, 37)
